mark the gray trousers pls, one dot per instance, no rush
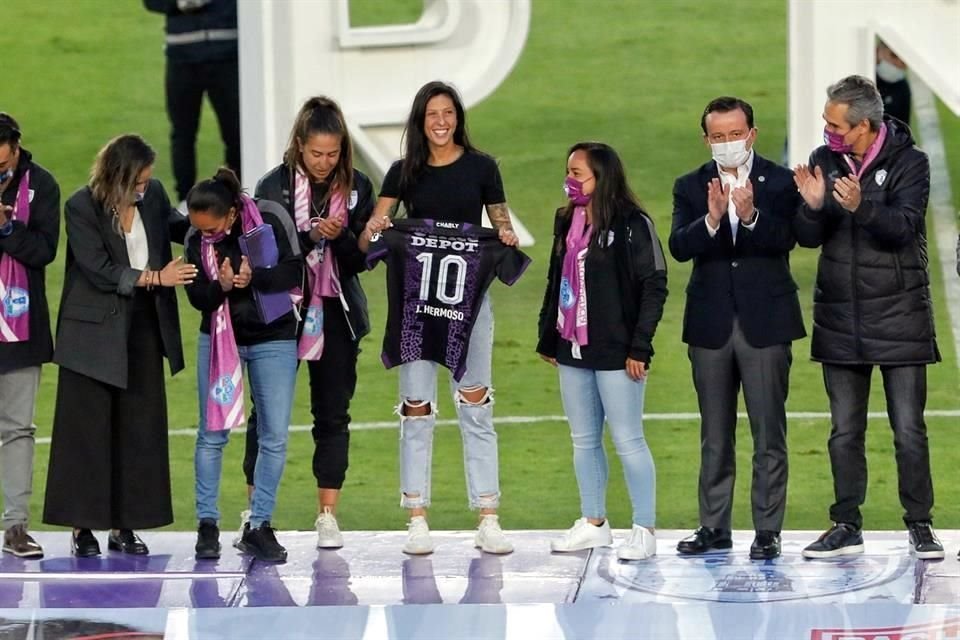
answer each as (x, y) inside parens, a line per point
(718, 375)
(18, 391)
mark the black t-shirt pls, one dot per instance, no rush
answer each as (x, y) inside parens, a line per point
(437, 274)
(454, 192)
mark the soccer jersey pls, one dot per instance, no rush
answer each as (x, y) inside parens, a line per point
(437, 275)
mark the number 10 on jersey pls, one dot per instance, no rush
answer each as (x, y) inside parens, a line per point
(450, 268)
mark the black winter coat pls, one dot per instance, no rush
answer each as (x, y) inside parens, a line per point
(871, 303)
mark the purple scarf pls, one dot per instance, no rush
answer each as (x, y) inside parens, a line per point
(572, 307)
(323, 275)
(872, 151)
(14, 286)
(225, 375)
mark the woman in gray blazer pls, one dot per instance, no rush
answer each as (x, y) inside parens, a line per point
(109, 467)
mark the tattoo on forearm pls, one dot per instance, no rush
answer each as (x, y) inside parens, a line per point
(499, 216)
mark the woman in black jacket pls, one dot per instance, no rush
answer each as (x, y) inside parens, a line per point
(606, 287)
(329, 202)
(109, 467)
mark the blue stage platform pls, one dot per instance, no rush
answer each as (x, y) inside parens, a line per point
(369, 589)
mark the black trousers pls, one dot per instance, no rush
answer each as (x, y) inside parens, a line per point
(905, 388)
(333, 381)
(186, 82)
(109, 462)
(764, 373)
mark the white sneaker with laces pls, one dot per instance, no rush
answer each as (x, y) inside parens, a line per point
(641, 544)
(418, 541)
(244, 520)
(490, 538)
(583, 535)
(328, 532)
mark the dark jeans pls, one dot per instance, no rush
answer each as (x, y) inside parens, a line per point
(905, 388)
(333, 380)
(186, 82)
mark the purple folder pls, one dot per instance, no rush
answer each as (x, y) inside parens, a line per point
(260, 246)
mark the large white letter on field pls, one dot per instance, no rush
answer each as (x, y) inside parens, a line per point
(292, 50)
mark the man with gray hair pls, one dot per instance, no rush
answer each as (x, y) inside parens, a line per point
(864, 198)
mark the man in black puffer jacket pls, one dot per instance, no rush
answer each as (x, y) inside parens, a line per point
(865, 195)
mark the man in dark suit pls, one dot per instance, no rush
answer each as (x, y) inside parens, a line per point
(732, 217)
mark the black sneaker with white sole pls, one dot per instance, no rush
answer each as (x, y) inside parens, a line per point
(261, 543)
(842, 539)
(924, 543)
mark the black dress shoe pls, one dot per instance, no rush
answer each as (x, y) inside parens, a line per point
(766, 546)
(705, 539)
(127, 542)
(83, 544)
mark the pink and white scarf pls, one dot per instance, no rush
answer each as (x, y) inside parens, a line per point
(323, 274)
(572, 307)
(14, 285)
(225, 374)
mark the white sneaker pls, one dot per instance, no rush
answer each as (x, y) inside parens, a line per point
(583, 535)
(489, 537)
(641, 544)
(328, 533)
(244, 522)
(418, 537)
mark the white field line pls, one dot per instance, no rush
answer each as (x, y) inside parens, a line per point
(521, 420)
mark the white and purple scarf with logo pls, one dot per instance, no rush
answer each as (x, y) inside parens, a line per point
(14, 286)
(572, 307)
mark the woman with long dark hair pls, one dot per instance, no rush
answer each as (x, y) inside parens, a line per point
(329, 202)
(109, 467)
(443, 177)
(247, 319)
(606, 286)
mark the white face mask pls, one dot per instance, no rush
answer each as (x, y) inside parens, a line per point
(730, 155)
(889, 72)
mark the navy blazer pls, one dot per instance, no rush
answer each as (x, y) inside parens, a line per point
(749, 279)
(99, 284)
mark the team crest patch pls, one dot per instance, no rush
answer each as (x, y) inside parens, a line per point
(880, 177)
(313, 323)
(224, 390)
(566, 294)
(353, 199)
(16, 303)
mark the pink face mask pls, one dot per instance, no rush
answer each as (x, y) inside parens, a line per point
(574, 191)
(835, 142)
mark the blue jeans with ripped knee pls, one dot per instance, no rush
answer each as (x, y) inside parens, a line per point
(418, 384)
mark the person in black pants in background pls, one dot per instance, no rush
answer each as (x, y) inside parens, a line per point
(201, 48)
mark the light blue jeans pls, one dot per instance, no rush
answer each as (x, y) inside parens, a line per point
(418, 382)
(589, 396)
(271, 369)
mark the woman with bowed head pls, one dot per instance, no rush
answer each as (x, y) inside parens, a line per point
(247, 319)
(443, 177)
(329, 202)
(606, 286)
(109, 466)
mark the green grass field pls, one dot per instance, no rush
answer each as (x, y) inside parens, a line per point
(635, 74)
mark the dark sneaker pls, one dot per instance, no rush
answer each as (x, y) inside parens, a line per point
(842, 539)
(208, 540)
(924, 543)
(766, 546)
(17, 541)
(262, 544)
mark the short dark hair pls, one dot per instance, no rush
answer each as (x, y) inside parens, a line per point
(723, 104)
(9, 130)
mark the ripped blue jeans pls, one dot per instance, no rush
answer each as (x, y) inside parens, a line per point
(418, 385)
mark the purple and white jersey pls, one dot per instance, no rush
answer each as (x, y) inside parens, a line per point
(437, 274)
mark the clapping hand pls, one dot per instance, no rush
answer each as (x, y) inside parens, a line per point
(811, 185)
(718, 195)
(226, 275)
(242, 278)
(846, 191)
(743, 201)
